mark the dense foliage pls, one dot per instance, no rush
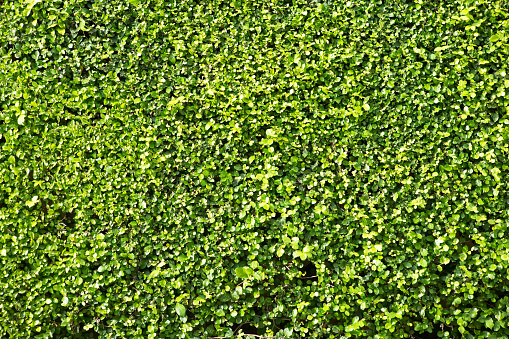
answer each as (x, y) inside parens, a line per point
(289, 168)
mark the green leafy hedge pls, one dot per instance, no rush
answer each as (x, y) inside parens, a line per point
(289, 168)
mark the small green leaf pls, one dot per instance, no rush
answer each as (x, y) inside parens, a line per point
(181, 310)
(32, 202)
(280, 252)
(271, 133)
(302, 255)
(489, 323)
(243, 272)
(441, 48)
(82, 24)
(154, 273)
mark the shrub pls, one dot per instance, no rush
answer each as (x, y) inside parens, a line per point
(191, 169)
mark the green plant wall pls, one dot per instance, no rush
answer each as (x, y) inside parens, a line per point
(294, 169)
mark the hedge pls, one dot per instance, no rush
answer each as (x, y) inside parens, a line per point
(280, 168)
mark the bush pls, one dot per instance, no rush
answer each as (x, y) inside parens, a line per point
(191, 169)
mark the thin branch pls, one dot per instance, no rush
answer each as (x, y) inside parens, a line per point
(249, 322)
(314, 276)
